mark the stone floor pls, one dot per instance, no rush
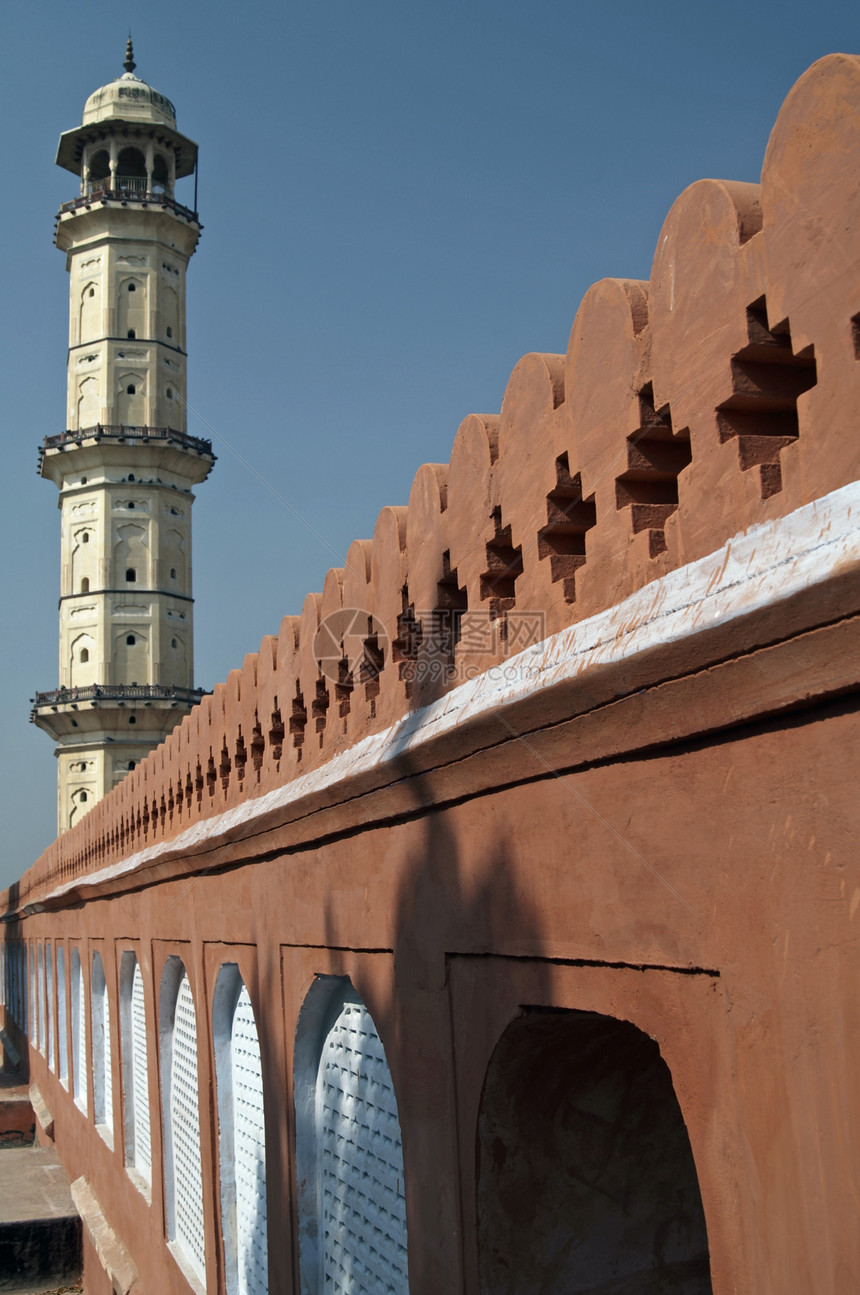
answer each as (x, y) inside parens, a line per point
(40, 1229)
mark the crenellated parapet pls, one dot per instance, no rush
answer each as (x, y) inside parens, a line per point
(719, 395)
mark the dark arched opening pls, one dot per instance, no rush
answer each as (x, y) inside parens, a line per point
(586, 1179)
(100, 168)
(131, 170)
(160, 175)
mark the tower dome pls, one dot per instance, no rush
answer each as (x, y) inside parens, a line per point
(128, 98)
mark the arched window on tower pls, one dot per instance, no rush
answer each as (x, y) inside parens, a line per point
(131, 308)
(130, 557)
(83, 562)
(169, 310)
(131, 396)
(82, 663)
(88, 402)
(90, 314)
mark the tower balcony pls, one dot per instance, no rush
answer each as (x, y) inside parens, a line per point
(124, 432)
(125, 190)
(117, 692)
(97, 707)
(165, 445)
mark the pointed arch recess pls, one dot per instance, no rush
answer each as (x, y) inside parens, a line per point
(351, 1199)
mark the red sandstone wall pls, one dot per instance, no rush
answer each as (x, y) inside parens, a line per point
(689, 892)
(687, 407)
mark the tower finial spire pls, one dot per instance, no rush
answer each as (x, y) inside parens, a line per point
(129, 63)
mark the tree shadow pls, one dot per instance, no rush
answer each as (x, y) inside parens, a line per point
(464, 920)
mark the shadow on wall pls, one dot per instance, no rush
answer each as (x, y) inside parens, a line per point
(574, 1162)
(461, 898)
(16, 975)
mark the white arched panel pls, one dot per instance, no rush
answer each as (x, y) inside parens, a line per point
(108, 1085)
(49, 986)
(101, 1051)
(183, 1168)
(62, 1045)
(249, 1150)
(40, 971)
(34, 997)
(242, 1143)
(80, 1051)
(361, 1174)
(140, 1085)
(135, 1081)
(352, 1205)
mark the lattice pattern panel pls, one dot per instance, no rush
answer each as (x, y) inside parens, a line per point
(361, 1171)
(40, 966)
(61, 1014)
(49, 977)
(79, 1033)
(108, 1070)
(185, 1124)
(249, 1151)
(139, 1085)
(98, 1000)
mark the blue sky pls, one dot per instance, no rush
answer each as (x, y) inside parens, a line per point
(399, 200)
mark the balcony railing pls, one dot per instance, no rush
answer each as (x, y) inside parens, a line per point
(128, 189)
(116, 692)
(125, 432)
(123, 183)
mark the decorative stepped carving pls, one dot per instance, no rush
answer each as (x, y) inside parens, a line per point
(761, 413)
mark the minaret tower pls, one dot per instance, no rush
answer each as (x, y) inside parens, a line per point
(125, 466)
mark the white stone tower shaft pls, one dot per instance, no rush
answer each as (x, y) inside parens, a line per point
(125, 465)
